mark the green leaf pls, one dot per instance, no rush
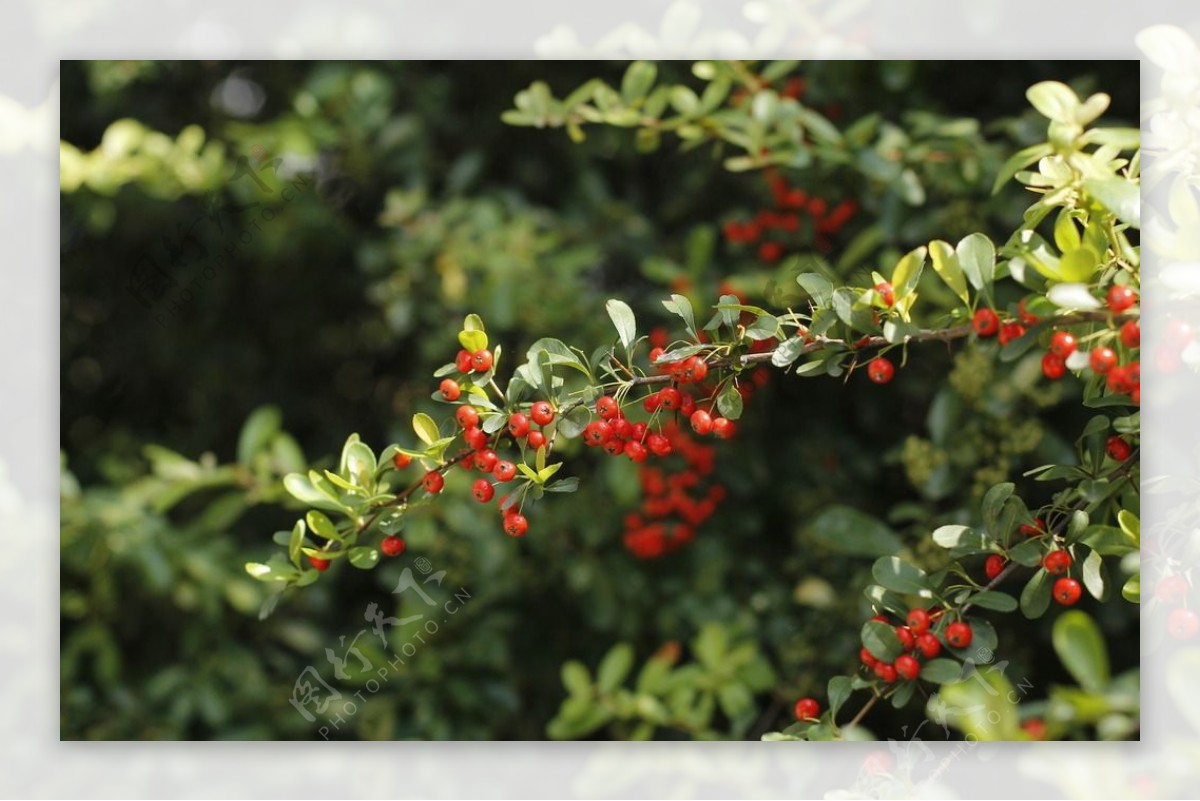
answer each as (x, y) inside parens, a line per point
(614, 667)
(638, 80)
(257, 432)
(1035, 598)
(295, 542)
(1053, 100)
(301, 488)
(817, 286)
(575, 678)
(623, 319)
(364, 557)
(880, 639)
(977, 257)
(1080, 646)
(426, 429)
(1132, 589)
(941, 671)
(838, 690)
(787, 351)
(729, 402)
(882, 598)
(899, 576)
(680, 305)
(993, 505)
(1019, 161)
(980, 705)
(996, 601)
(844, 529)
(1130, 524)
(962, 537)
(563, 485)
(1094, 576)
(1120, 196)
(908, 272)
(1028, 553)
(322, 526)
(945, 264)
(1078, 265)
(765, 327)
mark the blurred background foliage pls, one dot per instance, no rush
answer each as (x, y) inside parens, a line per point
(306, 237)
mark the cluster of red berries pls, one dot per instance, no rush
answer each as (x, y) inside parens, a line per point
(1182, 623)
(674, 503)
(796, 216)
(1057, 562)
(919, 642)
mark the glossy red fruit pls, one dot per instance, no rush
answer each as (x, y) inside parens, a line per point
(450, 389)
(614, 446)
(1067, 591)
(467, 416)
(486, 460)
(1183, 624)
(886, 672)
(1036, 530)
(401, 460)
(880, 370)
(907, 640)
(542, 413)
(1063, 344)
(701, 421)
(1101, 360)
(481, 361)
(918, 621)
(928, 645)
(723, 428)
(433, 482)
(1011, 331)
(320, 565)
(694, 370)
(463, 361)
(1131, 334)
(1117, 448)
(483, 490)
(636, 451)
(515, 524)
(654, 355)
(1054, 366)
(669, 398)
(476, 438)
(770, 251)
(886, 294)
(535, 439)
(1057, 562)
(504, 471)
(659, 445)
(807, 709)
(518, 425)
(1119, 382)
(994, 566)
(1121, 298)
(986, 323)
(959, 634)
(596, 433)
(392, 545)
(867, 658)
(607, 407)
(1171, 589)
(907, 667)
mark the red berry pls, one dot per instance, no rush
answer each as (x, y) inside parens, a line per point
(659, 445)
(994, 566)
(669, 398)
(636, 451)
(886, 294)
(928, 645)
(433, 482)
(723, 428)
(1101, 360)
(702, 422)
(651, 402)
(1057, 562)
(694, 370)
(1063, 344)
(918, 621)
(450, 389)
(535, 439)
(463, 361)
(320, 565)
(1117, 448)
(1054, 366)
(1131, 334)
(907, 640)
(1119, 382)
(596, 433)
(1171, 589)
(986, 323)
(807, 709)
(867, 658)
(655, 354)
(880, 370)
(481, 361)
(476, 438)
(770, 251)
(1011, 331)
(485, 460)
(504, 471)
(515, 524)
(885, 672)
(518, 425)
(1067, 591)
(1035, 728)
(401, 460)
(1027, 317)
(614, 446)
(959, 635)
(607, 408)
(907, 667)
(467, 416)
(1036, 530)
(483, 490)
(392, 545)
(1182, 624)
(1121, 298)
(542, 413)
